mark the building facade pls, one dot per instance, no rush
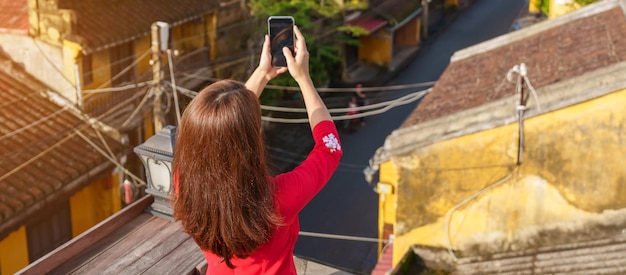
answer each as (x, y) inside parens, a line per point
(72, 64)
(518, 146)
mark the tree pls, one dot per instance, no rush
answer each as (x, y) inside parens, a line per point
(321, 23)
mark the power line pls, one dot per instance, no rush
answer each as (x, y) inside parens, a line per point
(323, 89)
(385, 107)
(69, 130)
(416, 96)
(341, 237)
(111, 159)
(33, 124)
(111, 64)
(120, 88)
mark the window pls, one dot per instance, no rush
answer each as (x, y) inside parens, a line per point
(51, 228)
(87, 70)
(121, 57)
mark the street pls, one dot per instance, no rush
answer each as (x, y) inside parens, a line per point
(348, 205)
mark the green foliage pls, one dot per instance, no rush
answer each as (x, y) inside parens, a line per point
(321, 24)
(545, 4)
(353, 30)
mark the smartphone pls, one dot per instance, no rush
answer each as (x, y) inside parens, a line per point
(280, 29)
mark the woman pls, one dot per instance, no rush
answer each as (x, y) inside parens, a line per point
(244, 219)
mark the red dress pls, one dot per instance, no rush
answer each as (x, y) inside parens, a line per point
(294, 190)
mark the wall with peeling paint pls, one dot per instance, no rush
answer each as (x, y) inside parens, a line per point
(468, 191)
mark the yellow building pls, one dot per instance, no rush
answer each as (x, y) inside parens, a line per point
(394, 27)
(75, 73)
(555, 8)
(464, 178)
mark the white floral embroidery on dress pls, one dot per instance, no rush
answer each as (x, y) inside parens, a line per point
(332, 142)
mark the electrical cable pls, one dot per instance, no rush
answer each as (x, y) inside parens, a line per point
(104, 143)
(40, 154)
(448, 215)
(123, 71)
(33, 124)
(323, 89)
(408, 97)
(417, 96)
(59, 71)
(139, 107)
(119, 88)
(520, 108)
(387, 106)
(69, 132)
(341, 237)
(121, 167)
(24, 97)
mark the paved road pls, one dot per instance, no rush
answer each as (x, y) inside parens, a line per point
(348, 205)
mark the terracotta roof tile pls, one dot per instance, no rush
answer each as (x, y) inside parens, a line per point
(14, 16)
(39, 153)
(105, 23)
(556, 54)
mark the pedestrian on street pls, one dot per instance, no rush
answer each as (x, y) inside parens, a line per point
(361, 100)
(349, 125)
(244, 219)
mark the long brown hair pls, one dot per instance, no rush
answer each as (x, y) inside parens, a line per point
(225, 199)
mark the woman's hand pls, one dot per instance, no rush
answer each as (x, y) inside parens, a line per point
(299, 70)
(264, 72)
(299, 65)
(265, 64)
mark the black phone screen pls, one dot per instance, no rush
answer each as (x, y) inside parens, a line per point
(281, 35)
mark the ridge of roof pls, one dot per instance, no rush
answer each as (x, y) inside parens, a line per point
(103, 24)
(558, 53)
(501, 112)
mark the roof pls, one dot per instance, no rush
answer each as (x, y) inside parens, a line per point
(384, 264)
(569, 46)
(368, 23)
(396, 11)
(103, 24)
(572, 58)
(392, 13)
(134, 241)
(42, 158)
(14, 16)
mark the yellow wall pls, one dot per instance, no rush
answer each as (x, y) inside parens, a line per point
(211, 26)
(409, 34)
(534, 6)
(71, 51)
(376, 48)
(188, 37)
(451, 3)
(142, 47)
(557, 10)
(387, 201)
(94, 203)
(14, 252)
(572, 171)
(101, 69)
